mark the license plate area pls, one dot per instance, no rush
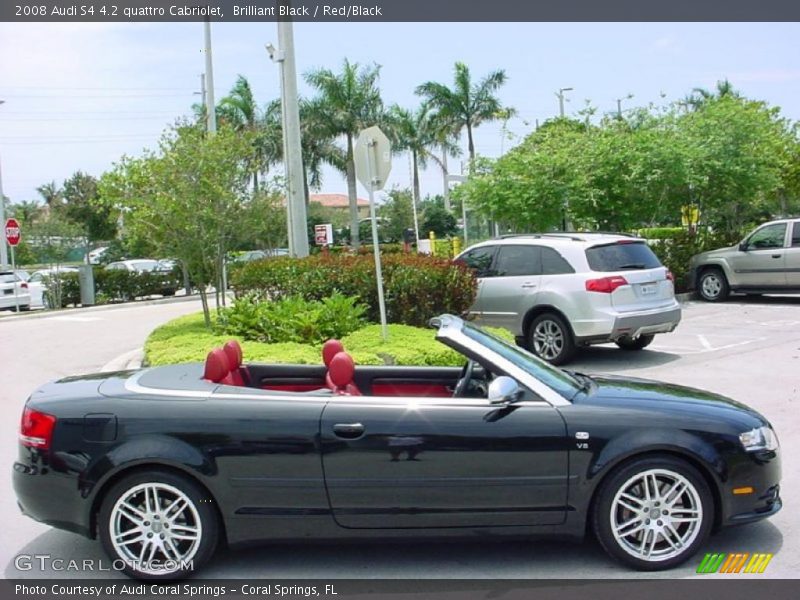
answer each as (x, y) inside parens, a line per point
(648, 289)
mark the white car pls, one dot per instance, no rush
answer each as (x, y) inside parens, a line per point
(137, 265)
(96, 255)
(13, 292)
(37, 284)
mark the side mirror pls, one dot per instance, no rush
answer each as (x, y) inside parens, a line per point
(504, 390)
(743, 246)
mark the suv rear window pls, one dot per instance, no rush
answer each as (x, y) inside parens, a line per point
(8, 278)
(622, 256)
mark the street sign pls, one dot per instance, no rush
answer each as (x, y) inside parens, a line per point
(323, 234)
(13, 232)
(373, 146)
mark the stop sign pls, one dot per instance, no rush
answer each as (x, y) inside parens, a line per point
(13, 233)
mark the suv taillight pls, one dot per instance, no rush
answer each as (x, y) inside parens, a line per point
(23, 285)
(605, 285)
(36, 430)
(670, 276)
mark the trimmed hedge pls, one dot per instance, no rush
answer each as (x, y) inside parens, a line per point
(116, 285)
(661, 233)
(416, 287)
(186, 339)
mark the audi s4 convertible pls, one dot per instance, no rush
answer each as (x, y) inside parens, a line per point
(166, 464)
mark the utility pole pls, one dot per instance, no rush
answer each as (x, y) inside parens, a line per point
(619, 108)
(446, 192)
(208, 84)
(293, 157)
(560, 94)
(3, 249)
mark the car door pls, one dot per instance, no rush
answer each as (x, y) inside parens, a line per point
(394, 462)
(792, 263)
(761, 262)
(36, 289)
(511, 289)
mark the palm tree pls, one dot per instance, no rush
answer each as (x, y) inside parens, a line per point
(348, 101)
(50, 193)
(239, 108)
(467, 104)
(27, 211)
(419, 132)
(700, 96)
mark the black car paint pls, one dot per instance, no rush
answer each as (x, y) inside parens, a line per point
(264, 461)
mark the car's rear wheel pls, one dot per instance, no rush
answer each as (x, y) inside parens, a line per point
(713, 285)
(639, 343)
(550, 338)
(159, 525)
(653, 513)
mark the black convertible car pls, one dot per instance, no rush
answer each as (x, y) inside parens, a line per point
(165, 464)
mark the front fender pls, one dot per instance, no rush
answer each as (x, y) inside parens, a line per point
(721, 263)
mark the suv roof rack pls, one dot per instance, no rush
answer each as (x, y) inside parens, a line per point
(575, 236)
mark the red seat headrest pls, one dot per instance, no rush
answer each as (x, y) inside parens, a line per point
(330, 349)
(341, 370)
(234, 352)
(217, 366)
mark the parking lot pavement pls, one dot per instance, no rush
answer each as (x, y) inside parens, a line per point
(746, 349)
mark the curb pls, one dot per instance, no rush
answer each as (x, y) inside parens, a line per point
(40, 314)
(124, 362)
(686, 297)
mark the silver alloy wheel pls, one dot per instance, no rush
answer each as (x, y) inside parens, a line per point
(656, 515)
(712, 285)
(155, 528)
(548, 339)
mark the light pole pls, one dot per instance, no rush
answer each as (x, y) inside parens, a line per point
(560, 94)
(3, 249)
(208, 83)
(619, 105)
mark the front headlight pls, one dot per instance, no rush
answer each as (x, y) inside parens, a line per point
(761, 438)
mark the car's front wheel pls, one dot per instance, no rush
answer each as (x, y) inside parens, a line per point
(550, 338)
(159, 525)
(639, 343)
(653, 513)
(713, 286)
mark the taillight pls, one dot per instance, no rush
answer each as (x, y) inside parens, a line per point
(670, 276)
(605, 285)
(36, 430)
(23, 285)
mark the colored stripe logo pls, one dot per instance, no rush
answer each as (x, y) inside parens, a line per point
(736, 562)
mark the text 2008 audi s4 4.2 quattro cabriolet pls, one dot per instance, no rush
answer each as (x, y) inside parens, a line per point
(164, 464)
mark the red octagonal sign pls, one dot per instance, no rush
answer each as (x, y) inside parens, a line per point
(13, 233)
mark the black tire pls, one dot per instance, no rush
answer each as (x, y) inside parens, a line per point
(640, 343)
(558, 346)
(712, 285)
(605, 512)
(166, 293)
(201, 509)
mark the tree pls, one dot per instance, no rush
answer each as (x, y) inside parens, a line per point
(81, 205)
(187, 197)
(439, 220)
(348, 102)
(466, 105)
(27, 211)
(50, 193)
(699, 96)
(396, 214)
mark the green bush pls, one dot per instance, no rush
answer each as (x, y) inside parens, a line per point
(416, 287)
(186, 339)
(291, 319)
(661, 233)
(676, 253)
(111, 285)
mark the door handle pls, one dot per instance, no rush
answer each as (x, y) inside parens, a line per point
(349, 431)
(776, 255)
(529, 284)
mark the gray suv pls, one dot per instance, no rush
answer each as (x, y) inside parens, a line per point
(556, 292)
(766, 261)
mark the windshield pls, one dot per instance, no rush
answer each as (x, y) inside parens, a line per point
(553, 377)
(621, 256)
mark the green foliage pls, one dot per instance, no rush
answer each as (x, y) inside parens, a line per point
(661, 233)
(397, 215)
(439, 220)
(83, 207)
(111, 285)
(416, 287)
(291, 319)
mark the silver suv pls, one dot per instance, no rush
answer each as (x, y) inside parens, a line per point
(556, 292)
(766, 261)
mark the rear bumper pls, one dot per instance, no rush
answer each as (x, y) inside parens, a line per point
(7, 300)
(612, 325)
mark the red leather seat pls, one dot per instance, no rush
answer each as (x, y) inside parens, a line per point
(330, 349)
(239, 374)
(217, 367)
(341, 371)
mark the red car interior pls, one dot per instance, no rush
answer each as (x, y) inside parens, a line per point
(330, 349)
(239, 373)
(341, 371)
(217, 368)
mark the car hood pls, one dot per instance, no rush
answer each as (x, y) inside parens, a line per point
(657, 397)
(718, 253)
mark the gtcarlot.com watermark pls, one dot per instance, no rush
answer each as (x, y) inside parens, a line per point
(47, 562)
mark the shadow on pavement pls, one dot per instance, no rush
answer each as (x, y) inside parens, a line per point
(610, 359)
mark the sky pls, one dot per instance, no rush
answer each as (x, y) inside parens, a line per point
(80, 96)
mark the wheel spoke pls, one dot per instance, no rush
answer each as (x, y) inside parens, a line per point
(168, 544)
(187, 529)
(175, 509)
(675, 492)
(626, 529)
(669, 532)
(131, 513)
(643, 544)
(147, 544)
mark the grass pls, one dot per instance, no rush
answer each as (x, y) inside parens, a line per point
(186, 339)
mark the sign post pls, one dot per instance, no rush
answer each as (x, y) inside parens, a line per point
(13, 235)
(373, 159)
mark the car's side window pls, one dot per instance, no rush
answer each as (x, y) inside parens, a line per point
(480, 259)
(796, 235)
(518, 260)
(771, 236)
(36, 278)
(553, 263)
